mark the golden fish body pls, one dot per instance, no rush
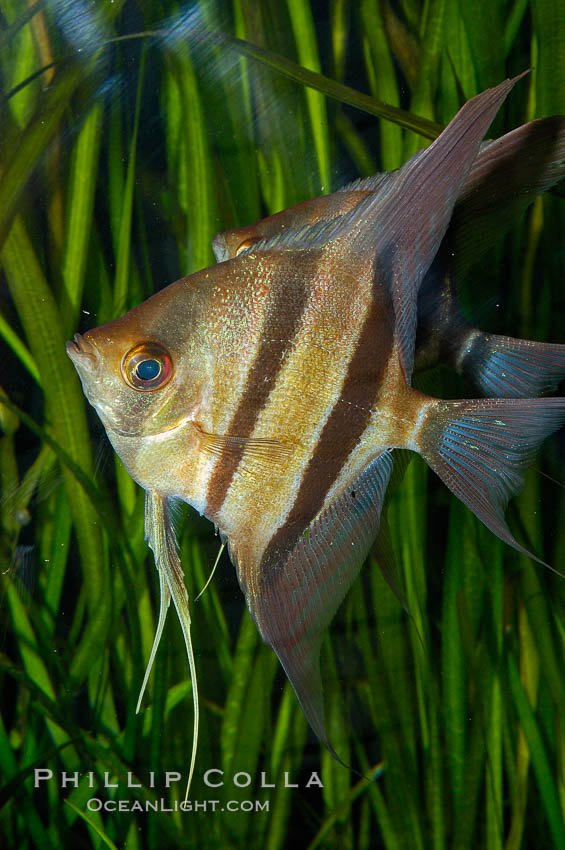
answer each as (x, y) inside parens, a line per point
(280, 398)
(268, 366)
(269, 390)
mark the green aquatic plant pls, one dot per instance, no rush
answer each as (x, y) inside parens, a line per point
(130, 134)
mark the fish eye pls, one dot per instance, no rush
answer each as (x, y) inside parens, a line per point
(147, 367)
(244, 245)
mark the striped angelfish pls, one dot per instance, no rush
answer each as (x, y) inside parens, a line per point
(269, 391)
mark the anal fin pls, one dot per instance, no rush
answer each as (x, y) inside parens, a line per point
(303, 583)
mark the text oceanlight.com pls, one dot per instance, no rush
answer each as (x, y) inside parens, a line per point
(95, 804)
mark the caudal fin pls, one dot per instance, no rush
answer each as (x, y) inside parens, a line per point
(479, 448)
(505, 367)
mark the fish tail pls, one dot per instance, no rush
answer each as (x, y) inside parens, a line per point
(505, 367)
(480, 447)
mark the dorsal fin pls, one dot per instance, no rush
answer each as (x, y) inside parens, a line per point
(510, 173)
(365, 184)
(409, 210)
(416, 214)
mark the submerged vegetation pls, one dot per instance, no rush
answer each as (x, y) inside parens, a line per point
(130, 134)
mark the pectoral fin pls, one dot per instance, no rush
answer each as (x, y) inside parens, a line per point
(262, 450)
(298, 588)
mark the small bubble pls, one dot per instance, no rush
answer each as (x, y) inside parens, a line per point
(22, 516)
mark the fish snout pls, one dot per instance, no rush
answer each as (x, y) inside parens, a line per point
(82, 353)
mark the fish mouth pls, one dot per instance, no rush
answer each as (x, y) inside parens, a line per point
(84, 357)
(78, 346)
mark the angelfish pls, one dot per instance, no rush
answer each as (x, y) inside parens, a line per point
(505, 178)
(269, 391)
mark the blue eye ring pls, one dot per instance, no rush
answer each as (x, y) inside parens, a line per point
(147, 367)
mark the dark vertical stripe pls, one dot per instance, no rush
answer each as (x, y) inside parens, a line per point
(282, 321)
(341, 433)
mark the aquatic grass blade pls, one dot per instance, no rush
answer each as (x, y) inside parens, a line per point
(123, 258)
(303, 26)
(540, 762)
(331, 88)
(41, 320)
(92, 825)
(84, 172)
